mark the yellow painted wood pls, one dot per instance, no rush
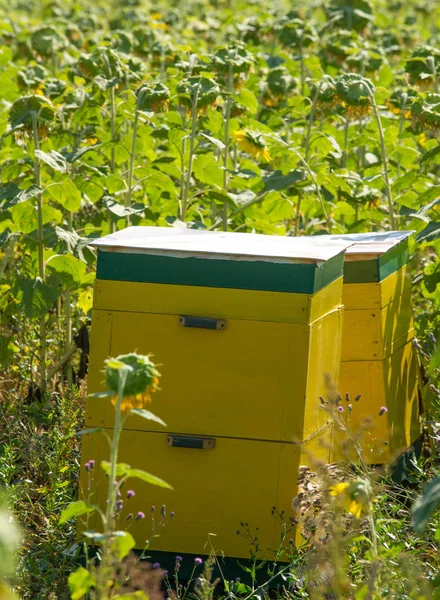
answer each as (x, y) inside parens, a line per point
(377, 295)
(100, 337)
(216, 302)
(324, 354)
(216, 382)
(214, 490)
(226, 383)
(371, 334)
(393, 383)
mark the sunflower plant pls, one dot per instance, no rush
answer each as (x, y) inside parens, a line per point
(130, 380)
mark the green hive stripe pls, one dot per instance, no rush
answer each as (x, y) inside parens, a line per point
(373, 271)
(243, 275)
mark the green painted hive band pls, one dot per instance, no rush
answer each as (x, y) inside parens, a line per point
(298, 278)
(377, 269)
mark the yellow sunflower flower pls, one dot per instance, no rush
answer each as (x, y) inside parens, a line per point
(353, 497)
(137, 400)
(253, 143)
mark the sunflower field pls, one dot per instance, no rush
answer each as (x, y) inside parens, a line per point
(281, 118)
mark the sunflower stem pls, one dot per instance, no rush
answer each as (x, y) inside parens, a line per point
(184, 206)
(132, 158)
(104, 574)
(384, 159)
(41, 270)
(226, 142)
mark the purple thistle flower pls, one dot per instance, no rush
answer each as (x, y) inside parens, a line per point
(92, 463)
(179, 558)
(198, 561)
(383, 410)
(130, 494)
(119, 505)
(341, 409)
(156, 565)
(87, 467)
(165, 573)
(140, 515)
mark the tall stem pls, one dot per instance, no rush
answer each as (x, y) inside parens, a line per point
(37, 175)
(401, 123)
(302, 68)
(113, 134)
(184, 206)
(132, 157)
(318, 191)
(226, 142)
(310, 122)
(431, 62)
(103, 573)
(384, 160)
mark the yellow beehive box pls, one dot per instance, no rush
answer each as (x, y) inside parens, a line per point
(379, 359)
(245, 327)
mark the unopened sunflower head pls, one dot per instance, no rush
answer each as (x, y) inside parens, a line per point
(25, 110)
(350, 14)
(353, 93)
(200, 90)
(253, 143)
(400, 101)
(425, 113)
(353, 496)
(296, 33)
(420, 67)
(234, 56)
(142, 378)
(154, 97)
(32, 78)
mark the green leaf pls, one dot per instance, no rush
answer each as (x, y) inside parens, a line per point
(430, 233)
(76, 509)
(430, 154)
(429, 194)
(207, 170)
(80, 582)
(121, 468)
(36, 296)
(54, 159)
(278, 181)
(13, 195)
(248, 99)
(426, 504)
(65, 193)
(122, 543)
(220, 145)
(146, 414)
(148, 478)
(120, 210)
(115, 184)
(69, 269)
(89, 431)
(160, 180)
(404, 181)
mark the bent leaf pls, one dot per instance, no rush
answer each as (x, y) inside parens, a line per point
(76, 509)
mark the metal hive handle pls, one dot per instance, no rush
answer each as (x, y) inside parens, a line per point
(202, 322)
